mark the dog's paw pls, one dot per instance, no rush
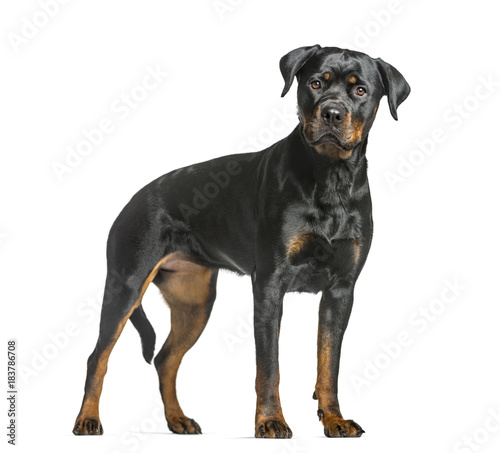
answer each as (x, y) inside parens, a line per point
(273, 428)
(183, 425)
(87, 426)
(338, 427)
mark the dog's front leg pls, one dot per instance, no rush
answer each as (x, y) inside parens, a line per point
(268, 308)
(335, 309)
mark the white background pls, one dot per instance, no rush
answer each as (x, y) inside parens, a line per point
(438, 223)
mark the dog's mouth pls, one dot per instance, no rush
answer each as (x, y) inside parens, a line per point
(328, 137)
(320, 135)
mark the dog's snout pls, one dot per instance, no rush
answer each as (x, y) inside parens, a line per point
(333, 114)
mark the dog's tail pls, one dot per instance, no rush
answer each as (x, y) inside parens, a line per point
(146, 331)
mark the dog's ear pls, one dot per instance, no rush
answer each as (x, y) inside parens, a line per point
(291, 63)
(395, 85)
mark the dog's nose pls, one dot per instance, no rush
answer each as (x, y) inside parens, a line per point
(333, 114)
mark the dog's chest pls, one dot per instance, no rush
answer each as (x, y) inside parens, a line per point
(329, 213)
(312, 233)
(323, 238)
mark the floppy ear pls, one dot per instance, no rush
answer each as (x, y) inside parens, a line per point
(291, 63)
(395, 85)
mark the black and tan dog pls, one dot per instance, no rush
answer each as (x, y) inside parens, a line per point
(295, 217)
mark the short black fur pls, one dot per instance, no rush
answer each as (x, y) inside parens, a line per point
(296, 216)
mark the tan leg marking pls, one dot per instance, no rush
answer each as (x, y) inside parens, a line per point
(186, 288)
(329, 411)
(269, 419)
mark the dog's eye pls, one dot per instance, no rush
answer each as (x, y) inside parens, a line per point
(360, 91)
(316, 85)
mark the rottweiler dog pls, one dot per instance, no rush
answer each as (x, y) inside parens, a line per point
(296, 216)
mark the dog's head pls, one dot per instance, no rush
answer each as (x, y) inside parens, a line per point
(339, 93)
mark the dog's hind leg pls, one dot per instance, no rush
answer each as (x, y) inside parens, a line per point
(189, 290)
(122, 295)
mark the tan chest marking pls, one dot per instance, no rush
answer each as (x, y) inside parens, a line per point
(297, 242)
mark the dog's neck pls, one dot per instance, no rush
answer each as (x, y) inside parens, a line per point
(331, 187)
(338, 173)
